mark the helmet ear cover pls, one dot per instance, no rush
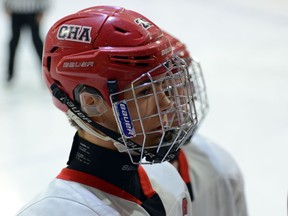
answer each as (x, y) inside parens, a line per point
(90, 100)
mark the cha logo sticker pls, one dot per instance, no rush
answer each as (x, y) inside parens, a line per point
(75, 33)
(145, 24)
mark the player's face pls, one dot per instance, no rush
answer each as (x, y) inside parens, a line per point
(149, 111)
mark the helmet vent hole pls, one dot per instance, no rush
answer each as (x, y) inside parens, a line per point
(49, 63)
(122, 62)
(141, 57)
(119, 57)
(58, 83)
(141, 61)
(142, 64)
(53, 49)
(120, 30)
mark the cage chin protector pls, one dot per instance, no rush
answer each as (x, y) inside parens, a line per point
(147, 111)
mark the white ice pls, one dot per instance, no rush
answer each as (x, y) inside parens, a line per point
(243, 48)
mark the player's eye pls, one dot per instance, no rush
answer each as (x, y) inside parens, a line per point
(145, 91)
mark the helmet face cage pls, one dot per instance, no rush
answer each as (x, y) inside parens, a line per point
(156, 112)
(200, 92)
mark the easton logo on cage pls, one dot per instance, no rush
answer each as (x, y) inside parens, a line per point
(75, 33)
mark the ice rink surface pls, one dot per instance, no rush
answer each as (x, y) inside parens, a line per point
(243, 48)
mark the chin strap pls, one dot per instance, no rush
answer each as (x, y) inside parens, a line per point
(120, 146)
(85, 127)
(81, 119)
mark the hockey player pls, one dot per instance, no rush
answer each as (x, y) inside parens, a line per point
(112, 71)
(217, 182)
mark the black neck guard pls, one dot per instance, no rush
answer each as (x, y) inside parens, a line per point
(111, 166)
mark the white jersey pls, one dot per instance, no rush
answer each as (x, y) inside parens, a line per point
(216, 180)
(63, 197)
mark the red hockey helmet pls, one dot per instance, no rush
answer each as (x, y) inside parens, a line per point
(115, 51)
(179, 48)
(99, 44)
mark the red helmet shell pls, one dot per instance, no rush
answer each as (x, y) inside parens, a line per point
(101, 43)
(179, 48)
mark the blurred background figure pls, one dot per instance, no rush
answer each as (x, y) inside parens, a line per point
(24, 13)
